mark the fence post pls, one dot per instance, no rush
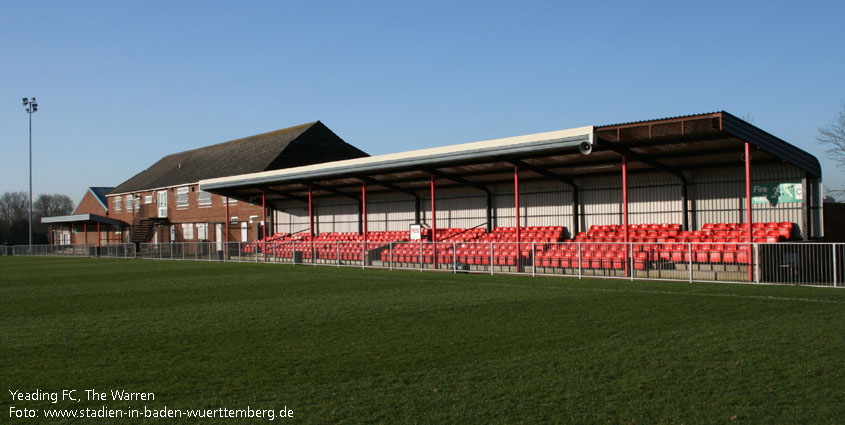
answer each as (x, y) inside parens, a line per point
(579, 260)
(689, 249)
(454, 257)
(631, 259)
(492, 259)
(834, 265)
(337, 252)
(533, 259)
(756, 248)
(421, 255)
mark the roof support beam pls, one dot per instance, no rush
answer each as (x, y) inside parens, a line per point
(457, 179)
(543, 172)
(465, 182)
(388, 185)
(639, 158)
(284, 194)
(333, 191)
(395, 188)
(554, 176)
(625, 152)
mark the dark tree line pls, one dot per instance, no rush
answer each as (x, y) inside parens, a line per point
(14, 216)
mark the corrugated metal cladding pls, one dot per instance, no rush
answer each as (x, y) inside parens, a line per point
(455, 208)
(717, 196)
(652, 198)
(540, 204)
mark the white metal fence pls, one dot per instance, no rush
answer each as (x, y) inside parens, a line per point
(815, 264)
(74, 250)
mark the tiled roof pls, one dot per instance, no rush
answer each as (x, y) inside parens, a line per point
(290, 147)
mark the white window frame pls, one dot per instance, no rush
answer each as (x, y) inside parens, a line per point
(202, 231)
(137, 202)
(118, 203)
(204, 202)
(148, 199)
(229, 201)
(183, 197)
(187, 231)
(128, 202)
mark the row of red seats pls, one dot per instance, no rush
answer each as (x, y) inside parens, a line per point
(761, 229)
(475, 248)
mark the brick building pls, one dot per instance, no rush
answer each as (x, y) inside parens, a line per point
(164, 203)
(89, 223)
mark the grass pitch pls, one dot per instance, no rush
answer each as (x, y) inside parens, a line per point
(353, 346)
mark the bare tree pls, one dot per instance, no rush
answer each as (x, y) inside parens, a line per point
(52, 205)
(833, 138)
(14, 206)
(14, 215)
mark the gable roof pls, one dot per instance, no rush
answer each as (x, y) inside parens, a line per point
(300, 145)
(100, 194)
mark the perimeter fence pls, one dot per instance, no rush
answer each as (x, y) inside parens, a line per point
(812, 264)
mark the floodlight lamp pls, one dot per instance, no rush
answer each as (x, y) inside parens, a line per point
(34, 107)
(33, 100)
(25, 101)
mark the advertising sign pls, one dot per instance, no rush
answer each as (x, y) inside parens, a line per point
(776, 193)
(416, 232)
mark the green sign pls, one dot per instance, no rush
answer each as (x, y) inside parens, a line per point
(775, 193)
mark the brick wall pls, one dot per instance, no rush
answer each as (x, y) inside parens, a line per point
(193, 214)
(90, 205)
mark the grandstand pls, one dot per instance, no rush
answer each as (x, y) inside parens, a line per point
(656, 198)
(700, 196)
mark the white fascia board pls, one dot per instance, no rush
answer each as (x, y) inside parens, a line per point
(421, 156)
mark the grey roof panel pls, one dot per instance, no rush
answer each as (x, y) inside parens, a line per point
(295, 146)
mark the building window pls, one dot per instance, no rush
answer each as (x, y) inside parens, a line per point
(202, 231)
(229, 201)
(137, 202)
(117, 203)
(188, 231)
(204, 198)
(233, 219)
(182, 197)
(148, 199)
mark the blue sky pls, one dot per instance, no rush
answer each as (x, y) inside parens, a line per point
(122, 84)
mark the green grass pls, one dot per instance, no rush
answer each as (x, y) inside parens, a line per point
(353, 346)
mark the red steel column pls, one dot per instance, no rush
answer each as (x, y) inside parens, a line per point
(625, 195)
(364, 208)
(516, 200)
(310, 213)
(516, 205)
(433, 213)
(264, 213)
(625, 209)
(226, 226)
(263, 224)
(433, 225)
(311, 223)
(748, 210)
